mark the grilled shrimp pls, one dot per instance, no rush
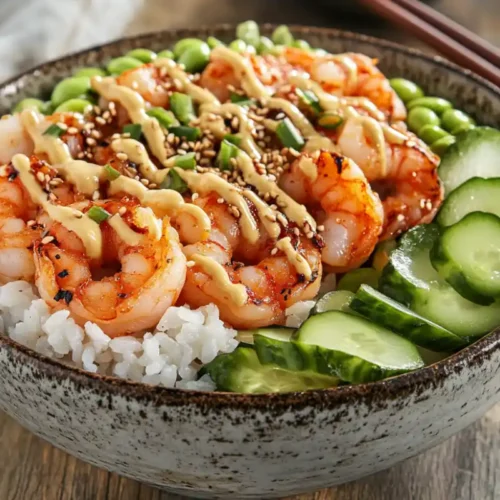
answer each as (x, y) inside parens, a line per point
(146, 80)
(409, 186)
(219, 76)
(16, 237)
(350, 74)
(14, 139)
(140, 274)
(335, 189)
(272, 283)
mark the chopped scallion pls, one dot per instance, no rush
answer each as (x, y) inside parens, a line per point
(182, 107)
(174, 181)
(111, 173)
(233, 139)
(226, 152)
(54, 130)
(187, 161)
(289, 136)
(190, 133)
(241, 100)
(164, 117)
(98, 214)
(330, 120)
(309, 98)
(134, 129)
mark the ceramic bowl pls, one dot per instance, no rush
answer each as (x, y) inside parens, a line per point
(223, 445)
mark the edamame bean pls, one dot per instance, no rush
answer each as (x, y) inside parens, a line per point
(463, 128)
(282, 36)
(166, 54)
(248, 32)
(144, 55)
(119, 65)
(29, 103)
(418, 117)
(431, 133)
(90, 72)
(213, 42)
(69, 89)
(454, 119)
(437, 104)
(184, 44)
(277, 50)
(195, 58)
(406, 90)
(441, 145)
(74, 106)
(301, 44)
(238, 46)
(320, 52)
(47, 108)
(265, 45)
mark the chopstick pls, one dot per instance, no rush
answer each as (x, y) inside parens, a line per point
(447, 44)
(466, 37)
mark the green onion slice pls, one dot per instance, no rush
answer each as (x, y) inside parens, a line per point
(182, 107)
(226, 152)
(54, 130)
(164, 117)
(330, 120)
(190, 133)
(98, 214)
(111, 173)
(174, 181)
(288, 135)
(134, 129)
(233, 139)
(241, 100)
(187, 161)
(309, 98)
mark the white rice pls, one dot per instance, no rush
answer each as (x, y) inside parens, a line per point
(171, 355)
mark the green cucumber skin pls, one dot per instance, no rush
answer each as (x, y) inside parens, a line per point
(452, 273)
(410, 326)
(281, 353)
(417, 297)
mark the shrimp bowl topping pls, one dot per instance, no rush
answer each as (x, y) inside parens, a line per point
(252, 217)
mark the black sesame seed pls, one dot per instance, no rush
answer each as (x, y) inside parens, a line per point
(59, 295)
(58, 257)
(13, 175)
(63, 273)
(122, 295)
(68, 296)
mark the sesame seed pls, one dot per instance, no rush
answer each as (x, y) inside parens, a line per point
(115, 136)
(97, 110)
(282, 219)
(274, 251)
(31, 223)
(220, 200)
(400, 217)
(209, 153)
(106, 115)
(72, 130)
(52, 197)
(309, 235)
(122, 210)
(153, 186)
(321, 228)
(190, 263)
(195, 196)
(122, 156)
(89, 126)
(62, 125)
(96, 195)
(81, 154)
(181, 151)
(47, 239)
(40, 176)
(296, 231)
(100, 120)
(145, 182)
(90, 141)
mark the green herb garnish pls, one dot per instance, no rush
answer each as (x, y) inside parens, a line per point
(54, 130)
(134, 129)
(164, 117)
(182, 107)
(111, 173)
(174, 181)
(289, 135)
(187, 161)
(98, 214)
(309, 98)
(226, 152)
(330, 120)
(190, 133)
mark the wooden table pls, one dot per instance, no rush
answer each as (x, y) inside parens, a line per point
(466, 467)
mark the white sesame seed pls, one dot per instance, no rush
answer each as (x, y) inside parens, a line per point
(122, 156)
(122, 210)
(40, 176)
(190, 263)
(47, 239)
(72, 130)
(274, 251)
(145, 182)
(96, 195)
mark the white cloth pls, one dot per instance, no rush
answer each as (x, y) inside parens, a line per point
(34, 31)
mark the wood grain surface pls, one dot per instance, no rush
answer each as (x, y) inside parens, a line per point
(466, 467)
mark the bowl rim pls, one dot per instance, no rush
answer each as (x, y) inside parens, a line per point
(373, 393)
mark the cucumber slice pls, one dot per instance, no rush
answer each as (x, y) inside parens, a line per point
(338, 343)
(467, 255)
(353, 279)
(475, 154)
(389, 313)
(241, 371)
(410, 279)
(333, 301)
(475, 195)
(273, 347)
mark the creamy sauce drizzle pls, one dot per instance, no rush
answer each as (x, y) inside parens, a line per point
(235, 292)
(125, 232)
(84, 227)
(301, 265)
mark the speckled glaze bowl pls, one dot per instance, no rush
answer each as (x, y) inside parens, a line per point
(219, 445)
